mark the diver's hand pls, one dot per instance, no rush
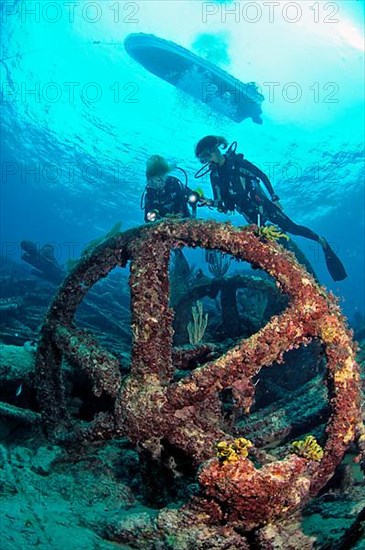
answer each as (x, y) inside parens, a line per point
(206, 202)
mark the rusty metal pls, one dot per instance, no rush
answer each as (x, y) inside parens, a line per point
(149, 405)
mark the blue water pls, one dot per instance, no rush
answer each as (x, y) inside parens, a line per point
(74, 149)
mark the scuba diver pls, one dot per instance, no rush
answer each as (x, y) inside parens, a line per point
(166, 195)
(236, 186)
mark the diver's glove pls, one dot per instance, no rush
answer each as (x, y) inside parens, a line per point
(210, 203)
(206, 202)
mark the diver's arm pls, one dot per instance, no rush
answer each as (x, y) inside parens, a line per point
(150, 205)
(146, 207)
(147, 210)
(217, 198)
(263, 177)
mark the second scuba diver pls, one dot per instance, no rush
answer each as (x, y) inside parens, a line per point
(166, 195)
(236, 186)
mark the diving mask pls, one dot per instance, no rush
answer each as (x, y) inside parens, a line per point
(205, 156)
(157, 182)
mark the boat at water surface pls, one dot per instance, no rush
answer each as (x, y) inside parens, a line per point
(196, 76)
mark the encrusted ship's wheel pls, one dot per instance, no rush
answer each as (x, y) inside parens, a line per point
(149, 406)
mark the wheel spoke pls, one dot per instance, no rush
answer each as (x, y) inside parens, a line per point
(99, 365)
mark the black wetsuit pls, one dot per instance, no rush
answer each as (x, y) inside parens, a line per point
(236, 186)
(171, 199)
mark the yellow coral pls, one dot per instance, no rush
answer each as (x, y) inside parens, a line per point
(272, 233)
(230, 452)
(346, 372)
(225, 452)
(241, 446)
(308, 448)
(328, 333)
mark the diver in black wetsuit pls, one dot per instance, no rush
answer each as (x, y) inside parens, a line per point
(236, 186)
(166, 195)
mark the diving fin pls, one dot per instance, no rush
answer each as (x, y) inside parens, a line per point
(334, 264)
